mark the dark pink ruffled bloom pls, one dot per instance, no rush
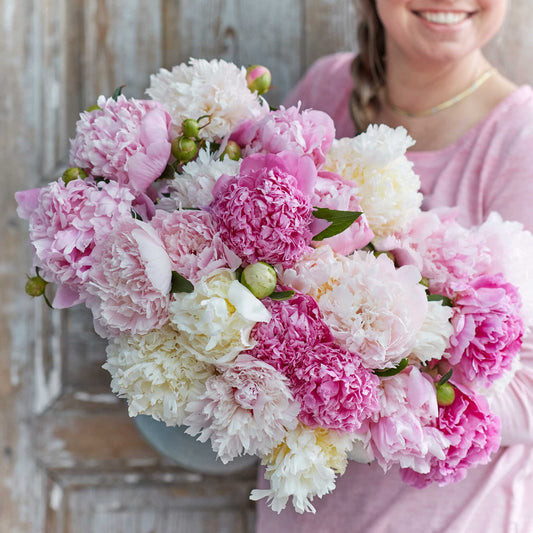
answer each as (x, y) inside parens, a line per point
(334, 390)
(333, 192)
(192, 243)
(264, 213)
(309, 132)
(474, 433)
(129, 285)
(125, 140)
(66, 223)
(488, 329)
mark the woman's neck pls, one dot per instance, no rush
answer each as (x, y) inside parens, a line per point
(419, 87)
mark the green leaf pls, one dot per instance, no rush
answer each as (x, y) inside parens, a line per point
(445, 378)
(135, 215)
(392, 371)
(180, 284)
(440, 298)
(340, 220)
(118, 92)
(283, 295)
(238, 273)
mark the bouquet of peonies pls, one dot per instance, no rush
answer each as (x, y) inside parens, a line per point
(277, 291)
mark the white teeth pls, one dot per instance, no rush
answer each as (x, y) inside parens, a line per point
(443, 17)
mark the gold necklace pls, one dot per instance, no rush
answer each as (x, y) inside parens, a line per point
(448, 103)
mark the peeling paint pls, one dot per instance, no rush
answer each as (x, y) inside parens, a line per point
(96, 398)
(56, 497)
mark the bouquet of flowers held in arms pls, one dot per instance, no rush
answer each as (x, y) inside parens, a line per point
(277, 291)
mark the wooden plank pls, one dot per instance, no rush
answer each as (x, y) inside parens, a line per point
(242, 31)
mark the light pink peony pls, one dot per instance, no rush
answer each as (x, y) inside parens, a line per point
(66, 223)
(125, 140)
(192, 243)
(403, 432)
(488, 329)
(334, 390)
(129, 285)
(264, 213)
(295, 328)
(333, 192)
(474, 433)
(309, 132)
(246, 408)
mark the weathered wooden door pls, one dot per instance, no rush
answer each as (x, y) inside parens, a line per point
(70, 458)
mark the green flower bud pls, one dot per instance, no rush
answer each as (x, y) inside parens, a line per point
(232, 150)
(35, 286)
(260, 279)
(73, 173)
(258, 78)
(445, 394)
(184, 149)
(190, 128)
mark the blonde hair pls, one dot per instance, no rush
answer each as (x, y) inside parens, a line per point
(368, 68)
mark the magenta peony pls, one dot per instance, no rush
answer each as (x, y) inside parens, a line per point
(129, 285)
(488, 329)
(474, 433)
(264, 213)
(309, 132)
(66, 223)
(124, 140)
(192, 243)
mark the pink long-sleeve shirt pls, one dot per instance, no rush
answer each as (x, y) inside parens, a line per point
(489, 169)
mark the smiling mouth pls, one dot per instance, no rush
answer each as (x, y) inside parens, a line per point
(443, 17)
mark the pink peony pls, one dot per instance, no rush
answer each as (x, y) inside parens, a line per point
(488, 329)
(125, 140)
(333, 192)
(264, 213)
(334, 390)
(247, 408)
(129, 285)
(474, 433)
(192, 243)
(307, 132)
(66, 223)
(403, 433)
(295, 328)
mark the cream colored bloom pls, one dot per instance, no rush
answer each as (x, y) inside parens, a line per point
(156, 374)
(388, 186)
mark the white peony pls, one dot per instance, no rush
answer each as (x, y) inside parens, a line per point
(156, 374)
(215, 88)
(216, 319)
(434, 336)
(303, 466)
(388, 186)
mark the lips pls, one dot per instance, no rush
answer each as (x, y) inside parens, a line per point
(447, 18)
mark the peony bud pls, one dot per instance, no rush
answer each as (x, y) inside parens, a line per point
(184, 149)
(73, 173)
(258, 78)
(190, 128)
(35, 286)
(445, 394)
(260, 279)
(232, 150)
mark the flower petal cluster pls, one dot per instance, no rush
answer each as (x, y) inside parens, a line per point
(474, 434)
(488, 329)
(156, 374)
(67, 222)
(303, 466)
(247, 408)
(308, 132)
(215, 88)
(124, 140)
(262, 214)
(388, 186)
(216, 319)
(192, 243)
(129, 284)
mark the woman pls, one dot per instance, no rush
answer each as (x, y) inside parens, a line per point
(421, 66)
